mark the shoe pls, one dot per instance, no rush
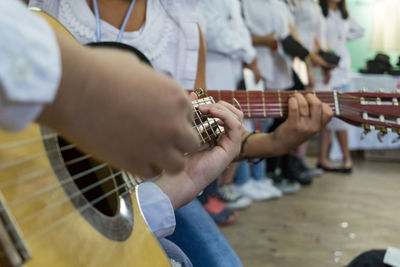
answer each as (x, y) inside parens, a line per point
(224, 218)
(267, 184)
(312, 172)
(335, 169)
(214, 205)
(234, 200)
(287, 187)
(291, 170)
(347, 170)
(219, 212)
(251, 190)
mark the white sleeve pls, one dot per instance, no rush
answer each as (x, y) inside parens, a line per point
(30, 66)
(220, 36)
(355, 29)
(157, 209)
(283, 18)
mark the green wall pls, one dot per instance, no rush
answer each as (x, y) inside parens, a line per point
(360, 51)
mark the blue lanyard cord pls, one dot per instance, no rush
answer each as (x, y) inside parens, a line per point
(98, 21)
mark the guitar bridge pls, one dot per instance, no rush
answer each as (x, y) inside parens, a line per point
(13, 250)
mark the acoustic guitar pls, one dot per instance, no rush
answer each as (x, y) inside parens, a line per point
(61, 207)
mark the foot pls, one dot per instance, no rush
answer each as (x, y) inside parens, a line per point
(233, 199)
(328, 167)
(251, 190)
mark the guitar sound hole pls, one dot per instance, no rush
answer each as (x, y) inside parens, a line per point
(105, 178)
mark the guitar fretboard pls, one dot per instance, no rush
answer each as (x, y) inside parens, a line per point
(268, 104)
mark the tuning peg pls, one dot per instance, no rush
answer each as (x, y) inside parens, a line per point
(365, 132)
(380, 135)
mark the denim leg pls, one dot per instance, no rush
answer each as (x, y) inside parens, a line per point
(242, 174)
(201, 239)
(258, 170)
(174, 252)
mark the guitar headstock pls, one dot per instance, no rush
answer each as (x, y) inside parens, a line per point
(208, 128)
(372, 110)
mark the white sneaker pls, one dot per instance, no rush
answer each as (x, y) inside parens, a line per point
(267, 185)
(233, 199)
(252, 190)
(287, 187)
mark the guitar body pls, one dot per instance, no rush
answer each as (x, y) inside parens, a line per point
(61, 229)
(67, 208)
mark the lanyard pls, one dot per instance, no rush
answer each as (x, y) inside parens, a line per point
(98, 22)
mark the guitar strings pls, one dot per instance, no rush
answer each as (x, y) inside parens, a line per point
(73, 196)
(21, 160)
(81, 209)
(57, 185)
(26, 141)
(38, 173)
(39, 233)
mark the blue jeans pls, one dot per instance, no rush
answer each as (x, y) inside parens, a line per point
(200, 238)
(246, 171)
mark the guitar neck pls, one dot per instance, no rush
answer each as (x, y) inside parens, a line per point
(268, 104)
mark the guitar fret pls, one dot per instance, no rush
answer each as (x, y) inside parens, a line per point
(219, 95)
(233, 97)
(248, 103)
(263, 101)
(207, 128)
(280, 103)
(197, 126)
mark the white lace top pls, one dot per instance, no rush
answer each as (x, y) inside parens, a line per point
(169, 37)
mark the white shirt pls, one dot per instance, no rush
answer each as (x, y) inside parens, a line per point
(339, 31)
(156, 208)
(264, 17)
(170, 40)
(229, 42)
(30, 65)
(307, 17)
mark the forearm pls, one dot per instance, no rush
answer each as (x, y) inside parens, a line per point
(261, 145)
(181, 188)
(263, 41)
(72, 82)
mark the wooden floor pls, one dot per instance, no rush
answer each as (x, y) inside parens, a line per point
(325, 224)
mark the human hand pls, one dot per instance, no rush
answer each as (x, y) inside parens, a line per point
(319, 61)
(269, 40)
(327, 75)
(253, 66)
(307, 115)
(121, 111)
(311, 79)
(205, 166)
